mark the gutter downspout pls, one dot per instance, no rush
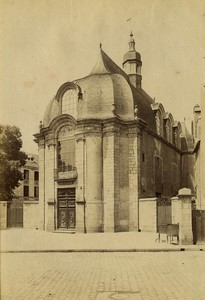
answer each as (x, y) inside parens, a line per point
(44, 195)
(84, 174)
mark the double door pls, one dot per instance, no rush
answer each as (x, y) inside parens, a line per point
(15, 213)
(66, 208)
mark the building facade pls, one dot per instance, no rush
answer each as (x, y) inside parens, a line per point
(199, 151)
(104, 144)
(23, 209)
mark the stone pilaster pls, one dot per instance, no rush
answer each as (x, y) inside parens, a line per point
(185, 217)
(110, 175)
(94, 181)
(81, 183)
(134, 173)
(50, 186)
(41, 164)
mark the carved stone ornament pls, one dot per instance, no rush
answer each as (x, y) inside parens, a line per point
(65, 131)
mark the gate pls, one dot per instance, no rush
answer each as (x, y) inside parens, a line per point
(164, 212)
(66, 208)
(198, 226)
(15, 213)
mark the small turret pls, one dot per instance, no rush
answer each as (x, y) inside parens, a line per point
(132, 63)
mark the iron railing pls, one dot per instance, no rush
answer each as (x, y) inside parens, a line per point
(65, 173)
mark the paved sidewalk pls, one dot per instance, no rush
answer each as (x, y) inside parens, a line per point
(23, 240)
(103, 276)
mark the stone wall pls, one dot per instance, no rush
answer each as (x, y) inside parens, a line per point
(148, 214)
(3, 215)
(31, 215)
(152, 148)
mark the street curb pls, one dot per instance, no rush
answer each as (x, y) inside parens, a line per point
(101, 250)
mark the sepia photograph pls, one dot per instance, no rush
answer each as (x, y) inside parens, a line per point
(102, 149)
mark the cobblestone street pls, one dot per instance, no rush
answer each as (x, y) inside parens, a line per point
(102, 276)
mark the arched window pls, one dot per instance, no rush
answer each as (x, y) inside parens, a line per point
(69, 102)
(159, 122)
(159, 117)
(175, 136)
(168, 130)
(66, 149)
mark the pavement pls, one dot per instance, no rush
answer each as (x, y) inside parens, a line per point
(39, 265)
(103, 276)
(24, 240)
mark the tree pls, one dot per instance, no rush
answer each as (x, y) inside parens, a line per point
(11, 160)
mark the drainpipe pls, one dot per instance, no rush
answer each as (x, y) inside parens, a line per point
(44, 195)
(54, 186)
(84, 174)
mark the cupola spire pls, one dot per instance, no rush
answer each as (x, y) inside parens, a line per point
(132, 63)
(131, 43)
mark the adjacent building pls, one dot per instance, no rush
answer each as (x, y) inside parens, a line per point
(23, 210)
(105, 146)
(199, 151)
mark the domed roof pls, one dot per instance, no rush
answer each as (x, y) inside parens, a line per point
(108, 84)
(106, 92)
(131, 55)
(52, 111)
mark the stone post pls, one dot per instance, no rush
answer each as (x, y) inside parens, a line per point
(185, 217)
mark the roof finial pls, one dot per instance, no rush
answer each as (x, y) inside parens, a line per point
(131, 42)
(100, 45)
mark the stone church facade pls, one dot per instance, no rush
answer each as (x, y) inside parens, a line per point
(104, 143)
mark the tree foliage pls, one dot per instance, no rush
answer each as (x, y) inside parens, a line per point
(11, 160)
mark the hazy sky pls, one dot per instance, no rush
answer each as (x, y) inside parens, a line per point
(44, 43)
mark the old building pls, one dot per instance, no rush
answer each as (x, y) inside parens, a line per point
(105, 146)
(23, 211)
(199, 151)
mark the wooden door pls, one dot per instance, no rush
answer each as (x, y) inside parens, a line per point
(66, 208)
(15, 213)
(164, 212)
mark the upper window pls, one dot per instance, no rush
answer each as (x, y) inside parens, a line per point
(169, 131)
(69, 102)
(159, 122)
(36, 176)
(66, 149)
(66, 155)
(26, 191)
(26, 174)
(176, 136)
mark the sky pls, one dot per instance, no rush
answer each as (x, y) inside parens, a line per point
(45, 43)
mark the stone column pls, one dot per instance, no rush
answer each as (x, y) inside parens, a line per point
(175, 205)
(185, 217)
